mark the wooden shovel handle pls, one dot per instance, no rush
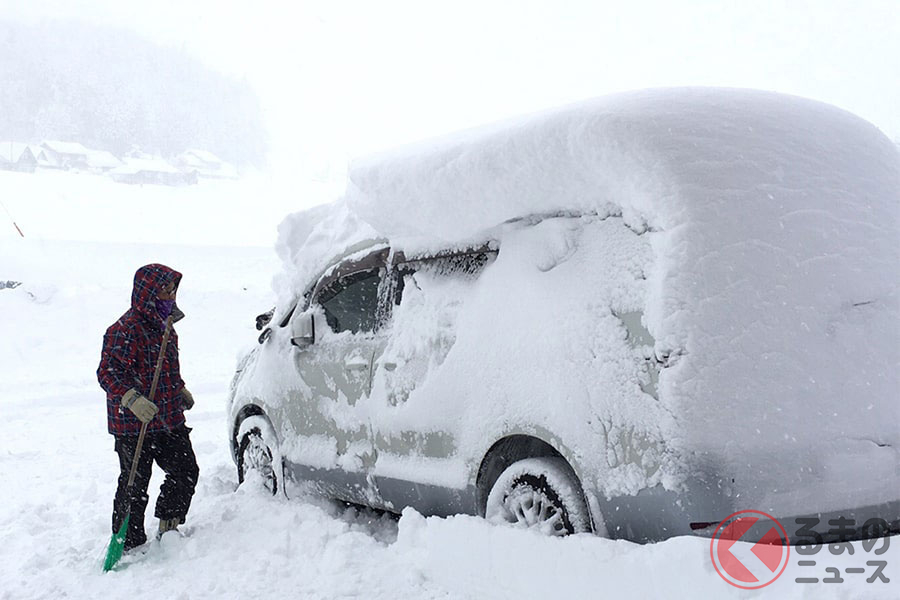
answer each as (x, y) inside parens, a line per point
(159, 362)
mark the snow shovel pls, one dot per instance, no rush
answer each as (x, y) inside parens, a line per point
(117, 543)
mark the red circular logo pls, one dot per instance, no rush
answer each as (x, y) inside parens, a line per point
(750, 565)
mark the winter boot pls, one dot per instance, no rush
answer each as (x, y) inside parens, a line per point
(168, 525)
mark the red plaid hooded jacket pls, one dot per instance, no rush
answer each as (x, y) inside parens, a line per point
(131, 347)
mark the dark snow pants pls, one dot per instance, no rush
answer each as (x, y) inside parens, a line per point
(174, 454)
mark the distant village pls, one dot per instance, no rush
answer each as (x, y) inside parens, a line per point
(135, 168)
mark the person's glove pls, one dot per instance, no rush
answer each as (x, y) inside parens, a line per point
(187, 399)
(142, 408)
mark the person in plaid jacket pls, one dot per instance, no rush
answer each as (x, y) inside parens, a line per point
(131, 347)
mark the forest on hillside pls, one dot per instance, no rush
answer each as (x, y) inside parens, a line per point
(113, 90)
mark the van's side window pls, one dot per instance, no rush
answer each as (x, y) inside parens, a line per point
(466, 265)
(351, 302)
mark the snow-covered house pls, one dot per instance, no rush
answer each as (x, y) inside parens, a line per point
(100, 161)
(152, 171)
(65, 155)
(44, 161)
(17, 157)
(205, 164)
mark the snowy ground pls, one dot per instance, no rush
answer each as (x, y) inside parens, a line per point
(58, 468)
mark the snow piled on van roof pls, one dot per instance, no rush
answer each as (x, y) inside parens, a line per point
(773, 292)
(645, 153)
(660, 158)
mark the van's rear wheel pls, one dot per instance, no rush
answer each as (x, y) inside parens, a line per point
(541, 494)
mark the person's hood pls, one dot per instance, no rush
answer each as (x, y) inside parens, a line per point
(149, 281)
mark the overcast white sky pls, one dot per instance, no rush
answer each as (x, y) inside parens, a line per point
(340, 79)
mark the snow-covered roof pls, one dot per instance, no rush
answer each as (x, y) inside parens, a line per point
(200, 157)
(136, 165)
(66, 147)
(102, 159)
(206, 164)
(660, 157)
(653, 153)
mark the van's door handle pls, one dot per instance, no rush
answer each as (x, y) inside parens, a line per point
(356, 365)
(389, 366)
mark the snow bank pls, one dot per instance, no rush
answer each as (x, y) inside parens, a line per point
(466, 556)
(771, 292)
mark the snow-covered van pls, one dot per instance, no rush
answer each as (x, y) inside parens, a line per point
(633, 316)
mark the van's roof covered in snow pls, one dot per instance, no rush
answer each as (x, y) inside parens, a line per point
(652, 154)
(728, 159)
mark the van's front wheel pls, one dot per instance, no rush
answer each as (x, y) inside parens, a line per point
(255, 456)
(541, 494)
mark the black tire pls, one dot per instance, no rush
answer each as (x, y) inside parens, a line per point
(539, 493)
(255, 454)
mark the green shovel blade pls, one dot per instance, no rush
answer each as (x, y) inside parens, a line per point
(116, 546)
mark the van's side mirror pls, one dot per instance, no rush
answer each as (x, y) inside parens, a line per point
(303, 330)
(263, 319)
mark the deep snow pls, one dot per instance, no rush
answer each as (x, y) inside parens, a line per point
(58, 468)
